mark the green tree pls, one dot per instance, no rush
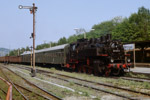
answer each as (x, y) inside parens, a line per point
(27, 48)
(104, 28)
(72, 38)
(42, 46)
(62, 41)
(134, 28)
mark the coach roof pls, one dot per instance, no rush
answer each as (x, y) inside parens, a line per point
(46, 49)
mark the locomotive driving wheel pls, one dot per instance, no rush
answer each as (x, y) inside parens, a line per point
(116, 71)
(96, 72)
(107, 72)
(83, 69)
(90, 70)
(79, 68)
(99, 68)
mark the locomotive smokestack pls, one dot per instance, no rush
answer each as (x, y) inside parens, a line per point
(104, 38)
(109, 37)
(101, 39)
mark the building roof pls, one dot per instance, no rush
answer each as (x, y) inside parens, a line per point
(140, 43)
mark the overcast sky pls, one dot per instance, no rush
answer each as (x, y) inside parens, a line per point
(57, 18)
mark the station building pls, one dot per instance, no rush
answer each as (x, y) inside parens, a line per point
(141, 50)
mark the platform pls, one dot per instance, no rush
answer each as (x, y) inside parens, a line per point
(140, 70)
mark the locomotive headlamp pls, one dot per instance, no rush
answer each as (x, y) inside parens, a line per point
(128, 60)
(112, 60)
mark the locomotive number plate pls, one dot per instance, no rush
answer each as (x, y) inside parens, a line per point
(116, 50)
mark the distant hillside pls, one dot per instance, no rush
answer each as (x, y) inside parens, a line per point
(3, 51)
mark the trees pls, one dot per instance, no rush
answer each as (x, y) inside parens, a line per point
(134, 28)
(42, 46)
(104, 28)
(62, 41)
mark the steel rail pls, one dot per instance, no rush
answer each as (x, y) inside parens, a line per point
(14, 85)
(102, 90)
(4, 92)
(95, 82)
(98, 83)
(147, 79)
(51, 95)
(147, 74)
(9, 92)
(136, 79)
(32, 91)
(140, 73)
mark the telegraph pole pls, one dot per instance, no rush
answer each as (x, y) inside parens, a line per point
(33, 10)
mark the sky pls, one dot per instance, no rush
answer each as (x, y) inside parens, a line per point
(57, 18)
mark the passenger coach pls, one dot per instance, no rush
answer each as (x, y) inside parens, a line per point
(54, 55)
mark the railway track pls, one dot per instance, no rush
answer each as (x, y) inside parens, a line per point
(66, 78)
(138, 73)
(147, 74)
(136, 79)
(23, 96)
(30, 91)
(43, 93)
(2, 92)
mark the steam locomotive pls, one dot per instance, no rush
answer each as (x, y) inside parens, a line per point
(101, 56)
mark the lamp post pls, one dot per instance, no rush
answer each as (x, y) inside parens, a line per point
(79, 30)
(33, 10)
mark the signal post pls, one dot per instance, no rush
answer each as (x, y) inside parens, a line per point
(33, 10)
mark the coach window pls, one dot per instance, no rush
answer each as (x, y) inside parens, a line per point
(73, 47)
(148, 54)
(113, 45)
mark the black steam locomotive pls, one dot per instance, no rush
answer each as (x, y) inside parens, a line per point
(98, 55)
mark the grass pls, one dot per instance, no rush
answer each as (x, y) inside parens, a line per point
(18, 80)
(137, 75)
(87, 91)
(2, 95)
(71, 83)
(62, 92)
(15, 93)
(4, 87)
(131, 84)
